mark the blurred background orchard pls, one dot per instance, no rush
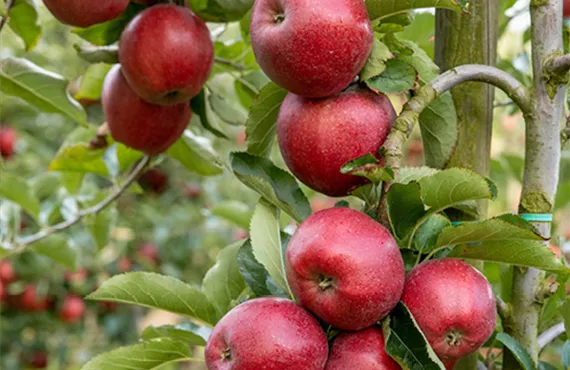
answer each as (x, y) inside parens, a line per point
(174, 220)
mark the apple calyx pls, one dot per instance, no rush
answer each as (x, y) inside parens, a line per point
(226, 354)
(325, 282)
(453, 338)
(279, 18)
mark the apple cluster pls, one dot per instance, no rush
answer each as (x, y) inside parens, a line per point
(165, 56)
(316, 52)
(346, 272)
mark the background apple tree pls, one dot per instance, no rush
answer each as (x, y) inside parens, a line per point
(483, 118)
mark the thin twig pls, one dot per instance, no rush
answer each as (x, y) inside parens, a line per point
(6, 17)
(503, 308)
(559, 65)
(549, 335)
(21, 244)
(228, 62)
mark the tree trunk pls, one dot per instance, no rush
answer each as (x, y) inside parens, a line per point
(468, 39)
(542, 160)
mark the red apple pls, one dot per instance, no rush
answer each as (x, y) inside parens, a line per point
(309, 49)
(109, 306)
(81, 13)
(76, 277)
(125, 264)
(7, 273)
(155, 180)
(2, 291)
(7, 141)
(72, 309)
(149, 252)
(147, 127)
(453, 304)
(566, 9)
(30, 301)
(146, 2)
(193, 191)
(267, 333)
(38, 360)
(345, 267)
(360, 350)
(317, 137)
(166, 54)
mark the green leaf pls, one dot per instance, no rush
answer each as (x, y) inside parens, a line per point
(369, 167)
(24, 22)
(255, 275)
(230, 112)
(375, 65)
(157, 291)
(221, 10)
(19, 191)
(45, 90)
(383, 8)
(438, 122)
(565, 311)
(78, 157)
(199, 106)
(261, 122)
(144, 356)
(56, 247)
(179, 333)
(399, 76)
(275, 185)
(519, 352)
(426, 237)
(520, 252)
(405, 208)
(422, 32)
(109, 32)
(91, 85)
(223, 283)
(409, 174)
(266, 242)
(234, 211)
(405, 342)
(98, 54)
(45, 185)
(10, 220)
(196, 154)
(101, 225)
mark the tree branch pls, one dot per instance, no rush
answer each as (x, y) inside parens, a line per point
(239, 67)
(503, 308)
(6, 17)
(549, 335)
(559, 65)
(21, 244)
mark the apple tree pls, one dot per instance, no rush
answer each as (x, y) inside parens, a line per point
(406, 270)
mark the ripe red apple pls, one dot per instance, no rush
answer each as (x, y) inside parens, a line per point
(317, 137)
(2, 291)
(76, 277)
(149, 252)
(81, 13)
(166, 54)
(146, 2)
(38, 360)
(72, 309)
(7, 273)
(30, 301)
(7, 141)
(345, 267)
(453, 304)
(125, 264)
(193, 191)
(360, 350)
(155, 180)
(309, 49)
(566, 9)
(267, 333)
(147, 127)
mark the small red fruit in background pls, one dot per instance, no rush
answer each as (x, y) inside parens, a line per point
(109, 306)
(76, 277)
(166, 54)
(30, 301)
(2, 291)
(132, 121)
(72, 309)
(317, 137)
(309, 49)
(345, 267)
(7, 141)
(81, 13)
(240, 234)
(7, 273)
(267, 333)
(149, 252)
(38, 360)
(360, 350)
(125, 264)
(155, 180)
(193, 191)
(453, 304)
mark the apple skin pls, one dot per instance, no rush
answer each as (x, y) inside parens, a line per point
(451, 300)
(166, 54)
(317, 137)
(360, 350)
(149, 252)
(29, 300)
(38, 360)
(155, 180)
(7, 141)
(81, 13)
(7, 273)
(72, 309)
(566, 9)
(147, 127)
(345, 267)
(267, 333)
(309, 49)
(2, 292)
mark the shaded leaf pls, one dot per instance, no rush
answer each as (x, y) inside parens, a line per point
(157, 291)
(19, 191)
(196, 154)
(375, 65)
(399, 76)
(24, 22)
(255, 275)
(98, 54)
(179, 333)
(234, 211)
(91, 85)
(519, 352)
(369, 167)
(45, 90)
(405, 208)
(56, 247)
(409, 174)
(429, 232)
(199, 106)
